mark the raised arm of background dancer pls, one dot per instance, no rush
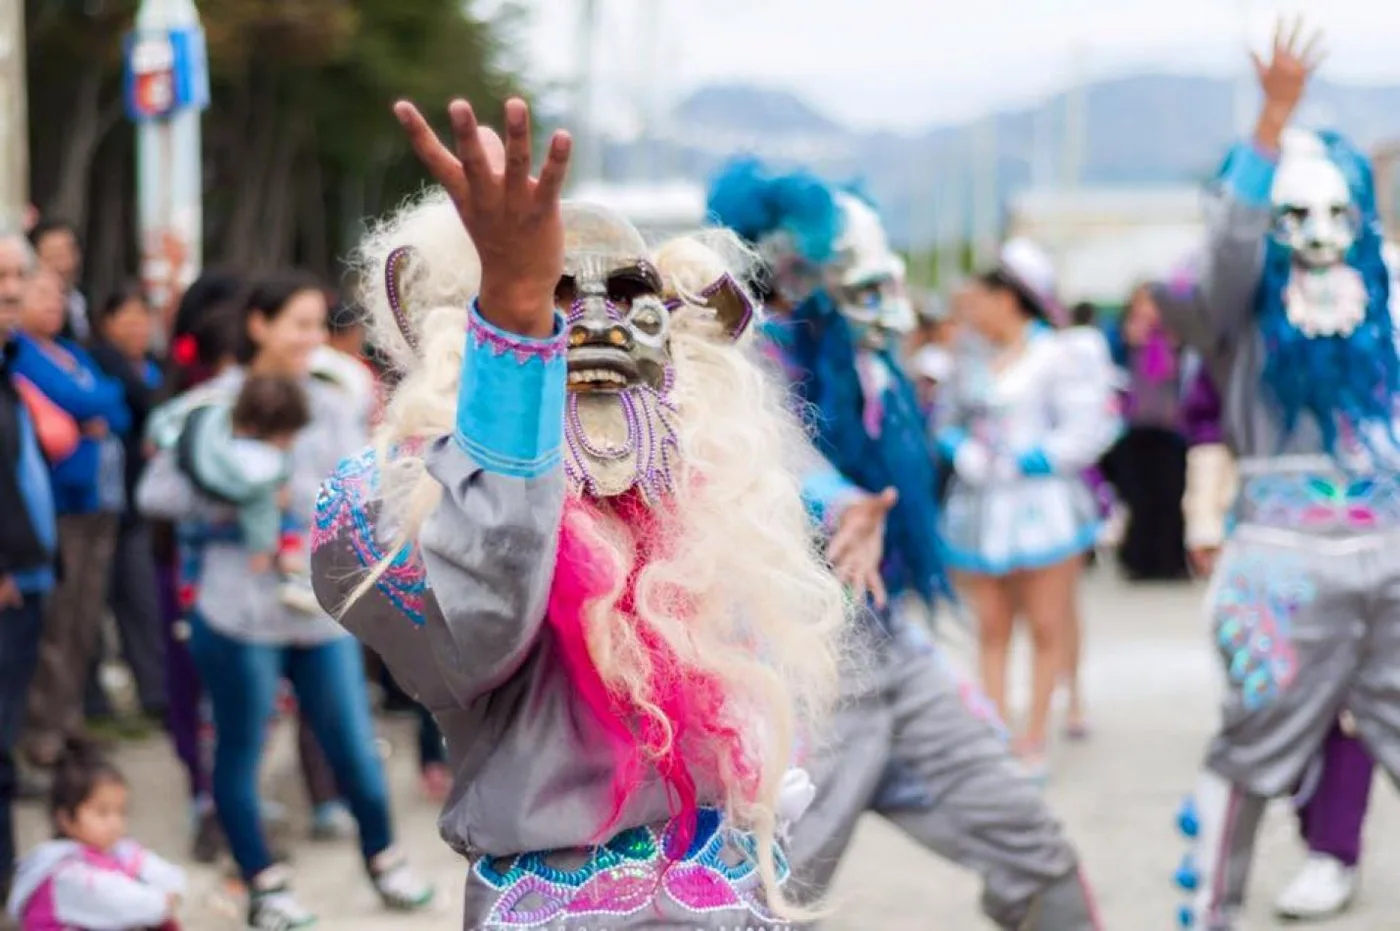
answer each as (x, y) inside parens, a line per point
(489, 546)
(1214, 315)
(1085, 423)
(826, 492)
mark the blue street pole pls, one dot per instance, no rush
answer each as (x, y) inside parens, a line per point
(167, 87)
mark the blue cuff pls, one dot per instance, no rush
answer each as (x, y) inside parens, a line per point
(1034, 463)
(826, 492)
(948, 441)
(510, 406)
(1249, 175)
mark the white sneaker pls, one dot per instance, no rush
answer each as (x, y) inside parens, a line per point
(1324, 887)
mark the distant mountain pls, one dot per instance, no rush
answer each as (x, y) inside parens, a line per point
(1143, 129)
(743, 108)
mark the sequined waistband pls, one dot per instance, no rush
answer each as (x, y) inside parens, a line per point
(1324, 503)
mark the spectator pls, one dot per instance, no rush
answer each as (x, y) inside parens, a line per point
(1148, 465)
(56, 244)
(341, 361)
(244, 641)
(88, 494)
(124, 328)
(91, 876)
(203, 346)
(28, 537)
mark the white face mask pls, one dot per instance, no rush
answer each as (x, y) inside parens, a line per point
(867, 277)
(1315, 219)
(1313, 212)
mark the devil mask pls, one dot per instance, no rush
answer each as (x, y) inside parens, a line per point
(620, 427)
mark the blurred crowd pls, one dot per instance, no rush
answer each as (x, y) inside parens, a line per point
(104, 633)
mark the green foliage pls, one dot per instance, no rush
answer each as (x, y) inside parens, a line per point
(300, 143)
(926, 266)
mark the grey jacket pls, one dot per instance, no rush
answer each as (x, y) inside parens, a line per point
(461, 620)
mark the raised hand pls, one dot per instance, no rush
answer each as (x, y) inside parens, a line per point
(858, 545)
(1284, 77)
(512, 217)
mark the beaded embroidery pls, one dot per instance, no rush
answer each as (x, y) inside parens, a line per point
(627, 874)
(342, 514)
(1257, 599)
(1313, 502)
(522, 348)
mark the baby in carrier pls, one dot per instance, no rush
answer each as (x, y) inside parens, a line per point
(238, 454)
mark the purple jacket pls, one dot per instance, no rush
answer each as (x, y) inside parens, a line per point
(1201, 411)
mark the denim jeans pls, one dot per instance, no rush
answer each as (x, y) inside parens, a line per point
(20, 631)
(329, 680)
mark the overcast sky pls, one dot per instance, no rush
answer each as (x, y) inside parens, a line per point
(907, 63)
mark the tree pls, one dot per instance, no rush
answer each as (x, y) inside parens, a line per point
(299, 143)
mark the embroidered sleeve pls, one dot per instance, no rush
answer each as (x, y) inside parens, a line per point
(454, 613)
(510, 410)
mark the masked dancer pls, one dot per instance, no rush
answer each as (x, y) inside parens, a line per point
(580, 541)
(1294, 293)
(912, 741)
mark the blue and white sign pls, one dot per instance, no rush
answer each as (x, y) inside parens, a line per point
(166, 72)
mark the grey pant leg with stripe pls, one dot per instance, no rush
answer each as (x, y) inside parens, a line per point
(912, 744)
(1306, 627)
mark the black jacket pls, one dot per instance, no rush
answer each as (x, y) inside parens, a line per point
(20, 546)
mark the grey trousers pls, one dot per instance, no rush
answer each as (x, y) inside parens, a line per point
(1306, 627)
(914, 743)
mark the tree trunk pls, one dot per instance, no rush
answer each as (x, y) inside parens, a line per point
(313, 247)
(277, 233)
(88, 121)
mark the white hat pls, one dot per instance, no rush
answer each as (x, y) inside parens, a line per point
(1030, 270)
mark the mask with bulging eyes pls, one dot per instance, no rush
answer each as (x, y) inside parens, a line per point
(620, 424)
(1315, 219)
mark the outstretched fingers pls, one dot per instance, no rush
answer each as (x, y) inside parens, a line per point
(476, 164)
(555, 169)
(518, 155)
(1313, 53)
(1295, 35)
(436, 157)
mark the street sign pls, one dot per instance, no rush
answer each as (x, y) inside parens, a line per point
(166, 71)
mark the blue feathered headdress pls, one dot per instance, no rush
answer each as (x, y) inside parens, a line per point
(756, 203)
(1356, 378)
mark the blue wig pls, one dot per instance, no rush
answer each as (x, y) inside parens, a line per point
(756, 203)
(1336, 379)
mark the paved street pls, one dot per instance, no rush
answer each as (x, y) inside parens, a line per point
(1150, 685)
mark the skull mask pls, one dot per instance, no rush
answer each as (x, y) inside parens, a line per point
(1316, 219)
(1313, 212)
(619, 423)
(867, 278)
